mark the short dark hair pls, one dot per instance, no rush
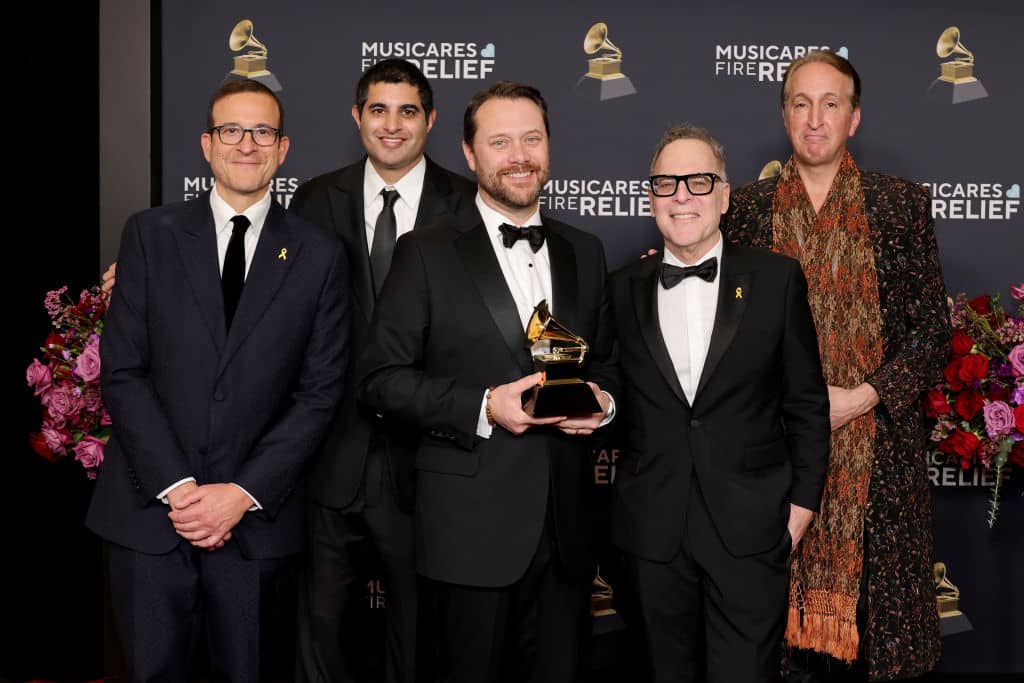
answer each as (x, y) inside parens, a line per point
(840, 64)
(506, 90)
(395, 71)
(686, 131)
(235, 86)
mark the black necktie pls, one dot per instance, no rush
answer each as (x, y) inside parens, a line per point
(385, 232)
(673, 275)
(510, 234)
(233, 276)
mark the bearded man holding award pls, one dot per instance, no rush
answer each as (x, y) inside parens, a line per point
(502, 515)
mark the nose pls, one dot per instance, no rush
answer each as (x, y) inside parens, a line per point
(248, 141)
(393, 120)
(815, 117)
(682, 193)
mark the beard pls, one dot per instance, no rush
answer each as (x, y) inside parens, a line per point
(515, 197)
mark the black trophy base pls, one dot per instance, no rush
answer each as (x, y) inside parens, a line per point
(570, 398)
(957, 92)
(955, 622)
(605, 88)
(268, 79)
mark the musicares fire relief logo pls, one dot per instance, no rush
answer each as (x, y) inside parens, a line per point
(604, 466)
(944, 471)
(281, 189)
(764, 63)
(605, 197)
(467, 61)
(952, 200)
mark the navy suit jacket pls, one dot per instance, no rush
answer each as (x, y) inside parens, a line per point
(187, 399)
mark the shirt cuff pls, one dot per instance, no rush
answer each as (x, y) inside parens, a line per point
(255, 503)
(483, 427)
(162, 496)
(611, 410)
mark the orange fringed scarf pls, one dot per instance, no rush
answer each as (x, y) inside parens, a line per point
(834, 248)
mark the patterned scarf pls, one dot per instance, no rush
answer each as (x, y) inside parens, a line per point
(834, 247)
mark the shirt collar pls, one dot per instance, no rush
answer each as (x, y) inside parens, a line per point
(409, 186)
(715, 252)
(223, 213)
(492, 219)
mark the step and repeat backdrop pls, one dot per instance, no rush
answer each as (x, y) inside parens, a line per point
(718, 65)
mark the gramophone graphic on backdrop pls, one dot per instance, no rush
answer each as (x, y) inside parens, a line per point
(604, 75)
(253, 63)
(956, 82)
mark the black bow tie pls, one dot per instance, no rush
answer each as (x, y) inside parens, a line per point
(510, 234)
(673, 275)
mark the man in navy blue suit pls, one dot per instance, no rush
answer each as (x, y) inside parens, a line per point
(223, 359)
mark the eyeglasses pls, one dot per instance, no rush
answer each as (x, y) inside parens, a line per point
(232, 134)
(696, 183)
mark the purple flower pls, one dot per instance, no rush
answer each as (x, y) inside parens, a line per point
(39, 376)
(1017, 360)
(88, 364)
(998, 419)
(1018, 395)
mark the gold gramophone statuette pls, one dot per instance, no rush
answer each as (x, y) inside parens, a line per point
(559, 354)
(947, 595)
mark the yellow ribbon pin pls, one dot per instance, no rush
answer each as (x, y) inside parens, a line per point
(284, 256)
(739, 292)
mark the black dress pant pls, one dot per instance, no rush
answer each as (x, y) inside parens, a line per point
(708, 615)
(535, 631)
(336, 571)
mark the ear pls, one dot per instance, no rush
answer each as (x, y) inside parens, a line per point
(282, 150)
(206, 142)
(725, 197)
(431, 119)
(355, 115)
(854, 122)
(467, 150)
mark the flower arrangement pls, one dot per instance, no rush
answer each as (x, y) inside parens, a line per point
(67, 381)
(978, 408)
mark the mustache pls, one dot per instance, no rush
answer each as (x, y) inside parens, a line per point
(519, 168)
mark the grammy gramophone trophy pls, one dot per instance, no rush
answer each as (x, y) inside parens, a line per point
(956, 81)
(251, 64)
(559, 354)
(770, 170)
(605, 70)
(947, 600)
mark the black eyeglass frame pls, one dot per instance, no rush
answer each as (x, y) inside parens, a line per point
(250, 131)
(714, 177)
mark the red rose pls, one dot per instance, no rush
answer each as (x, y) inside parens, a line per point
(952, 374)
(53, 339)
(998, 392)
(935, 404)
(1018, 419)
(962, 343)
(980, 304)
(968, 403)
(973, 367)
(963, 444)
(1017, 454)
(38, 444)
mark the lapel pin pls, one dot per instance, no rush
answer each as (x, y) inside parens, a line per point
(739, 292)
(284, 257)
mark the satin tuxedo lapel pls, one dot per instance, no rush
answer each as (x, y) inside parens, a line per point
(197, 242)
(733, 289)
(477, 255)
(564, 287)
(644, 287)
(267, 272)
(346, 200)
(436, 197)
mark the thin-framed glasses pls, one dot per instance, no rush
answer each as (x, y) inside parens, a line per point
(696, 183)
(232, 134)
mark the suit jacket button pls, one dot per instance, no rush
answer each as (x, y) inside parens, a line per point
(218, 395)
(694, 424)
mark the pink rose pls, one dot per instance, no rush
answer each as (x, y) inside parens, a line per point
(65, 402)
(55, 437)
(1017, 291)
(1017, 360)
(89, 452)
(105, 420)
(39, 376)
(998, 419)
(88, 364)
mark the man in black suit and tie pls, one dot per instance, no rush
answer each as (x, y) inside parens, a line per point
(361, 484)
(223, 353)
(502, 520)
(726, 419)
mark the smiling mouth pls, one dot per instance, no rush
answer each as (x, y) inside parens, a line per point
(686, 215)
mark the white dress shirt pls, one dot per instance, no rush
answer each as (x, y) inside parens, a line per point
(410, 189)
(687, 316)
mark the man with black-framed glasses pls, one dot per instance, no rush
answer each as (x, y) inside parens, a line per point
(726, 417)
(223, 353)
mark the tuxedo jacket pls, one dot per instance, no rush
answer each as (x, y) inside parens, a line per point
(755, 437)
(334, 201)
(445, 328)
(188, 399)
